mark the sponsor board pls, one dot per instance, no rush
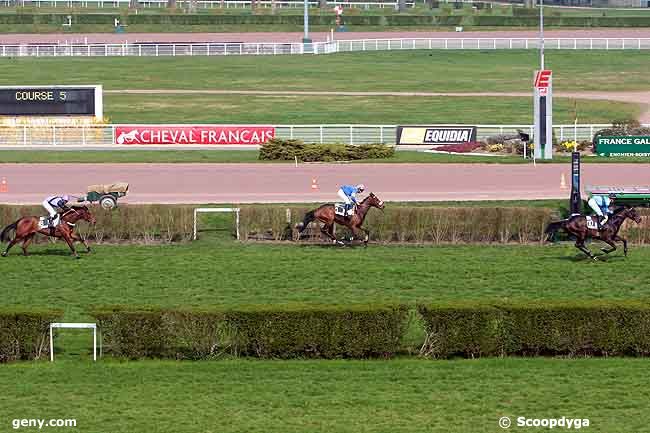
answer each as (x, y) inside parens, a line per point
(435, 134)
(623, 146)
(193, 134)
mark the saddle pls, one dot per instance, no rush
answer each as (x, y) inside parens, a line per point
(593, 223)
(340, 210)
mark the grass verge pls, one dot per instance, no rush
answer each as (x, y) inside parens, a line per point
(326, 396)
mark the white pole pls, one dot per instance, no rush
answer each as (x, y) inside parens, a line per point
(95, 343)
(51, 345)
(541, 34)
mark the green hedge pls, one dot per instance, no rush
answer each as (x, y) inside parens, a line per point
(131, 223)
(269, 332)
(286, 150)
(24, 333)
(397, 20)
(417, 224)
(537, 328)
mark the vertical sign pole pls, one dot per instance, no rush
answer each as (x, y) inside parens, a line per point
(575, 202)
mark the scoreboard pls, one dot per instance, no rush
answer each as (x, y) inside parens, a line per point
(51, 101)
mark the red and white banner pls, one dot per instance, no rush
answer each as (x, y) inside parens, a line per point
(193, 135)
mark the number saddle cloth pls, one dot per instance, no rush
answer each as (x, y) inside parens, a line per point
(339, 209)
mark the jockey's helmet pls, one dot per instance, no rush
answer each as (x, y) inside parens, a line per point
(361, 187)
(612, 195)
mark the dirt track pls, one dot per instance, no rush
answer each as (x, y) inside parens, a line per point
(245, 183)
(317, 36)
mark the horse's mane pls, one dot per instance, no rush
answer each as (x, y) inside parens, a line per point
(619, 209)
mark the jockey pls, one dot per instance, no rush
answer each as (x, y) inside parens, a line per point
(348, 193)
(51, 203)
(600, 204)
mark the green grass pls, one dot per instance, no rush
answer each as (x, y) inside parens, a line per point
(232, 274)
(262, 109)
(332, 396)
(435, 71)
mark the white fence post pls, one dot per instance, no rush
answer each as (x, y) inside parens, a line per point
(54, 135)
(321, 134)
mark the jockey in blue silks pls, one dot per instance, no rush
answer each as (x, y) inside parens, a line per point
(348, 194)
(601, 206)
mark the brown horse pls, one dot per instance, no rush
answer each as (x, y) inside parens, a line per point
(27, 227)
(328, 217)
(577, 226)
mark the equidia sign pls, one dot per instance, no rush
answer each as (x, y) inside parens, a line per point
(193, 135)
(435, 134)
(623, 146)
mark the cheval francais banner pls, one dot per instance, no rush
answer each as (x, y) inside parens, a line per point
(193, 134)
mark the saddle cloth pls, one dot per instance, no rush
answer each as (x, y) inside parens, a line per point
(42, 223)
(339, 209)
(592, 223)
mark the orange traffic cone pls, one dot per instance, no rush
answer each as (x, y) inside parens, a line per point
(314, 184)
(4, 187)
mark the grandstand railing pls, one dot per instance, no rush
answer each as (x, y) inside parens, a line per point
(104, 135)
(200, 4)
(263, 48)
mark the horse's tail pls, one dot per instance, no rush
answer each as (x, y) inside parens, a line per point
(555, 226)
(309, 217)
(5, 232)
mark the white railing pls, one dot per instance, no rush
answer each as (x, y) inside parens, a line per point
(262, 48)
(104, 135)
(200, 4)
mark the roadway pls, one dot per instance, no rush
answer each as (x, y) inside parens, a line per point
(250, 183)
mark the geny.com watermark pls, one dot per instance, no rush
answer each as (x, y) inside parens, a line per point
(40, 423)
(550, 423)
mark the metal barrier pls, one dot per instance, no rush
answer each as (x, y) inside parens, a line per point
(104, 135)
(265, 48)
(200, 4)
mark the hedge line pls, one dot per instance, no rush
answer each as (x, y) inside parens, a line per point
(133, 223)
(278, 149)
(538, 328)
(24, 333)
(289, 332)
(411, 224)
(352, 20)
(572, 328)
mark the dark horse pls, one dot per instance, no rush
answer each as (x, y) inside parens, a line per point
(577, 226)
(27, 227)
(328, 217)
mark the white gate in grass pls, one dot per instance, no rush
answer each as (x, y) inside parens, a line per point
(199, 210)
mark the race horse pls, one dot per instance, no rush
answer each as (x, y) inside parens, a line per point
(576, 225)
(328, 217)
(26, 228)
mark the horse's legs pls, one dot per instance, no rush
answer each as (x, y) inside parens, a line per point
(580, 244)
(327, 230)
(78, 238)
(26, 242)
(611, 244)
(620, 239)
(70, 242)
(11, 243)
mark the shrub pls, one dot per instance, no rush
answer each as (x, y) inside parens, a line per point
(24, 333)
(626, 127)
(288, 150)
(494, 147)
(266, 332)
(411, 224)
(466, 147)
(537, 328)
(133, 223)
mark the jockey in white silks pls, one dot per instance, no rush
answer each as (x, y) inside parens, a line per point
(51, 204)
